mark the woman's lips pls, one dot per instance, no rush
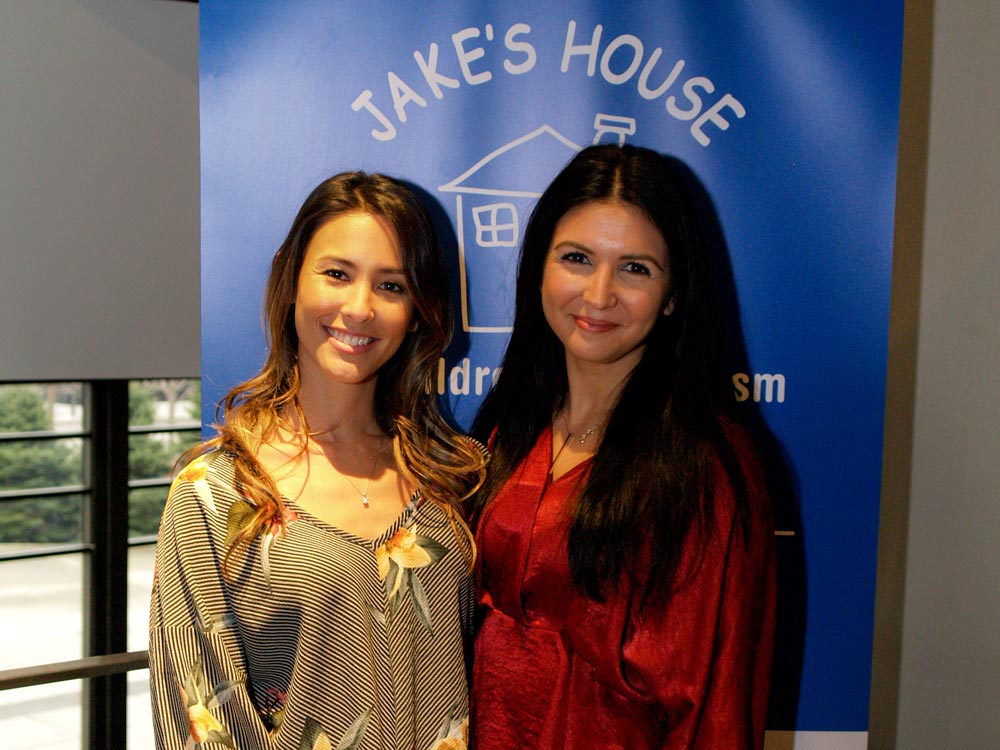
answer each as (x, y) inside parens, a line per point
(350, 340)
(593, 325)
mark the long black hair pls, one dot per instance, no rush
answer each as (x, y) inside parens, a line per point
(653, 470)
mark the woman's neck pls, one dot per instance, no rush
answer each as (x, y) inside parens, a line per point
(335, 411)
(592, 393)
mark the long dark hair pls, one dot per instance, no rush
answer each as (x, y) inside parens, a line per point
(654, 469)
(429, 453)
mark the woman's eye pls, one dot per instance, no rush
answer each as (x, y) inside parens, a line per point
(393, 286)
(574, 257)
(636, 268)
(335, 273)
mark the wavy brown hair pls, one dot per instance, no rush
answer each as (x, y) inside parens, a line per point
(428, 451)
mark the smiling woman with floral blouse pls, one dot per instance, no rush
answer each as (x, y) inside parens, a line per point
(313, 579)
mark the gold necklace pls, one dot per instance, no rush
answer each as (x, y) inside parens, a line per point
(587, 433)
(364, 495)
(569, 434)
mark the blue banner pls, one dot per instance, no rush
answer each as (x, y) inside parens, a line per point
(786, 115)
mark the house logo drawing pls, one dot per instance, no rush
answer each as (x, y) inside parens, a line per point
(492, 201)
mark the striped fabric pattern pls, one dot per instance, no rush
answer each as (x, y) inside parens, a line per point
(304, 633)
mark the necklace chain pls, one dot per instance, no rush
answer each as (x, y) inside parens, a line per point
(582, 439)
(364, 494)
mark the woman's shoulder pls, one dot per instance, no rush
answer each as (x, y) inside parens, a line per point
(744, 460)
(736, 438)
(207, 478)
(214, 464)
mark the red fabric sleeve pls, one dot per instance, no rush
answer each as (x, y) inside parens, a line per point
(705, 655)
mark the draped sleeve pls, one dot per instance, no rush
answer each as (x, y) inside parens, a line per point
(705, 654)
(198, 678)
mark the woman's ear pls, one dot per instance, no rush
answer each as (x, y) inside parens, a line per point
(668, 306)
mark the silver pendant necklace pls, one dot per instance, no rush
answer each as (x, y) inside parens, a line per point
(364, 494)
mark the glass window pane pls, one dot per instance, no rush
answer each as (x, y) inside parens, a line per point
(68, 412)
(43, 716)
(165, 403)
(139, 719)
(31, 464)
(41, 599)
(140, 582)
(152, 455)
(41, 609)
(145, 506)
(41, 521)
(182, 441)
(38, 407)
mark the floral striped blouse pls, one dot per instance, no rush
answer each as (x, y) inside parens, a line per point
(316, 639)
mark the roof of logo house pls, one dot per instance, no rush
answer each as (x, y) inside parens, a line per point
(514, 168)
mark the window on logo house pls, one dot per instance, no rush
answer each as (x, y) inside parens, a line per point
(48, 487)
(496, 225)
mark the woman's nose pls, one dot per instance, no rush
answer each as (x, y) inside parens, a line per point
(600, 290)
(358, 305)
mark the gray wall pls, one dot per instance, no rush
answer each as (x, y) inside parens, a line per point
(99, 205)
(936, 681)
(99, 192)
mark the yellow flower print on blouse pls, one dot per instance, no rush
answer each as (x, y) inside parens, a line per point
(203, 725)
(454, 735)
(403, 551)
(397, 559)
(199, 701)
(314, 737)
(196, 473)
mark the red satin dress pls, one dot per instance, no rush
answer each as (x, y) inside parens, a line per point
(556, 670)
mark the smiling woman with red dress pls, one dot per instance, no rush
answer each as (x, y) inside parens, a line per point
(626, 549)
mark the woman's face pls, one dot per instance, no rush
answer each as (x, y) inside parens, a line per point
(605, 282)
(352, 305)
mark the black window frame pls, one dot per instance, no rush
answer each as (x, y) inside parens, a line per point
(105, 546)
